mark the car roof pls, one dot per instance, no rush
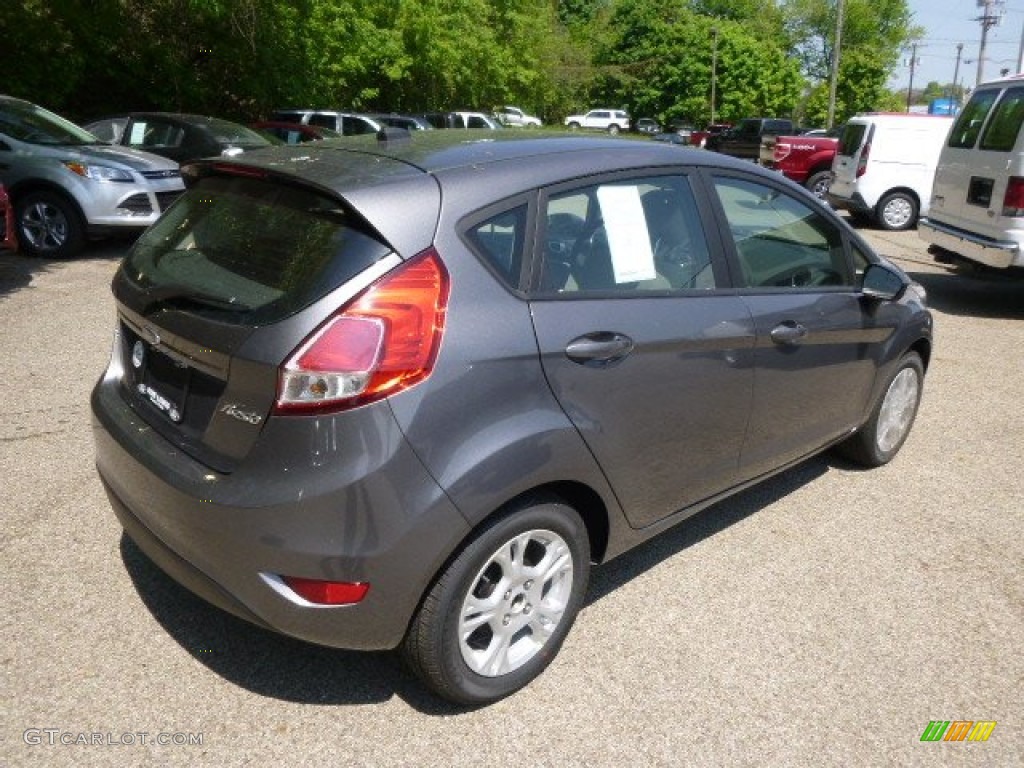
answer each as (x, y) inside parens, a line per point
(371, 174)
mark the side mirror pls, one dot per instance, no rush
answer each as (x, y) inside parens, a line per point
(883, 283)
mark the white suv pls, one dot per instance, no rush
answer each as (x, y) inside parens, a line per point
(66, 185)
(516, 117)
(611, 120)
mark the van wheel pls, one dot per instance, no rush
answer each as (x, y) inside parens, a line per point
(897, 210)
(498, 613)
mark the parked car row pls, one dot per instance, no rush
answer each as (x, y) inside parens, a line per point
(66, 185)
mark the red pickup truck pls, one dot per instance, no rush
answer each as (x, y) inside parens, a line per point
(806, 160)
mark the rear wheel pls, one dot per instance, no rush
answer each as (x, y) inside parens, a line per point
(574, 126)
(613, 129)
(497, 615)
(818, 183)
(896, 211)
(48, 225)
(881, 438)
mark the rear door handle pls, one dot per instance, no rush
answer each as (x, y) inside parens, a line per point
(789, 333)
(599, 349)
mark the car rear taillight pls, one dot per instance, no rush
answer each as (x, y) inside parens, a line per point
(385, 340)
(1013, 200)
(862, 164)
(327, 592)
(781, 151)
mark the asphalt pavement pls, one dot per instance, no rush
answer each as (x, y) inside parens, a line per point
(824, 618)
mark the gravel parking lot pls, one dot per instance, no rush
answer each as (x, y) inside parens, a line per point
(823, 618)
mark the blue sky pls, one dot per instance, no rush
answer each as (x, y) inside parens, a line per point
(948, 22)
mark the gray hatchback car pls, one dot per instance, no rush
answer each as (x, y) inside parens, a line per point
(403, 393)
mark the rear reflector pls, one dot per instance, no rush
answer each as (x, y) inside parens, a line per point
(327, 592)
(1013, 200)
(382, 342)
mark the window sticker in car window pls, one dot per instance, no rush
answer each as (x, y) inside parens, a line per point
(626, 228)
(138, 133)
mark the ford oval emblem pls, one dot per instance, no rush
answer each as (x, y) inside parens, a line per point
(138, 354)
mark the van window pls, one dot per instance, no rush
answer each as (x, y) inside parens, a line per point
(968, 124)
(852, 138)
(1001, 132)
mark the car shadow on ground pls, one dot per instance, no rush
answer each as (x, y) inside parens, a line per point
(18, 269)
(984, 294)
(280, 667)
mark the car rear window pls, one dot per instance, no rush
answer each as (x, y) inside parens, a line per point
(250, 251)
(1001, 132)
(968, 125)
(852, 138)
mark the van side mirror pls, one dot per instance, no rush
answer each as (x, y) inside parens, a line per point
(882, 283)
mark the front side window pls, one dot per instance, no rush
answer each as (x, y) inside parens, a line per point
(968, 125)
(781, 242)
(1002, 129)
(626, 237)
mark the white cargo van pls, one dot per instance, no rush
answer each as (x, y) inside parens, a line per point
(884, 167)
(977, 210)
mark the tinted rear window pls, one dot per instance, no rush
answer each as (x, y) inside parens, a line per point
(248, 251)
(852, 138)
(1001, 132)
(968, 124)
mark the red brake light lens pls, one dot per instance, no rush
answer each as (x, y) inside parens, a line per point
(382, 342)
(862, 164)
(327, 592)
(1013, 200)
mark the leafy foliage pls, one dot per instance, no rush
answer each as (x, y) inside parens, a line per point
(242, 58)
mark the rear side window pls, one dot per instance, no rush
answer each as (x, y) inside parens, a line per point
(968, 125)
(852, 138)
(1001, 132)
(248, 251)
(626, 238)
(499, 239)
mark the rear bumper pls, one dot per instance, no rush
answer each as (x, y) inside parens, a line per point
(855, 203)
(1000, 254)
(363, 512)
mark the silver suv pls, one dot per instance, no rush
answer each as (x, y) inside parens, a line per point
(65, 184)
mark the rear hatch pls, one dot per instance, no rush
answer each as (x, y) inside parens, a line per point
(851, 158)
(979, 182)
(221, 290)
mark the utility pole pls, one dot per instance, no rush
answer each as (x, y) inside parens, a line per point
(956, 75)
(913, 63)
(988, 20)
(714, 70)
(834, 79)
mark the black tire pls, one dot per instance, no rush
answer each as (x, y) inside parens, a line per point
(48, 225)
(455, 650)
(818, 183)
(884, 433)
(574, 126)
(613, 129)
(896, 211)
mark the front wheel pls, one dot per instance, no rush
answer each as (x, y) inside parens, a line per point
(48, 225)
(897, 211)
(498, 613)
(881, 438)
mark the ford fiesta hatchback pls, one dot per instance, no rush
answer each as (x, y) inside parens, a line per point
(404, 393)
